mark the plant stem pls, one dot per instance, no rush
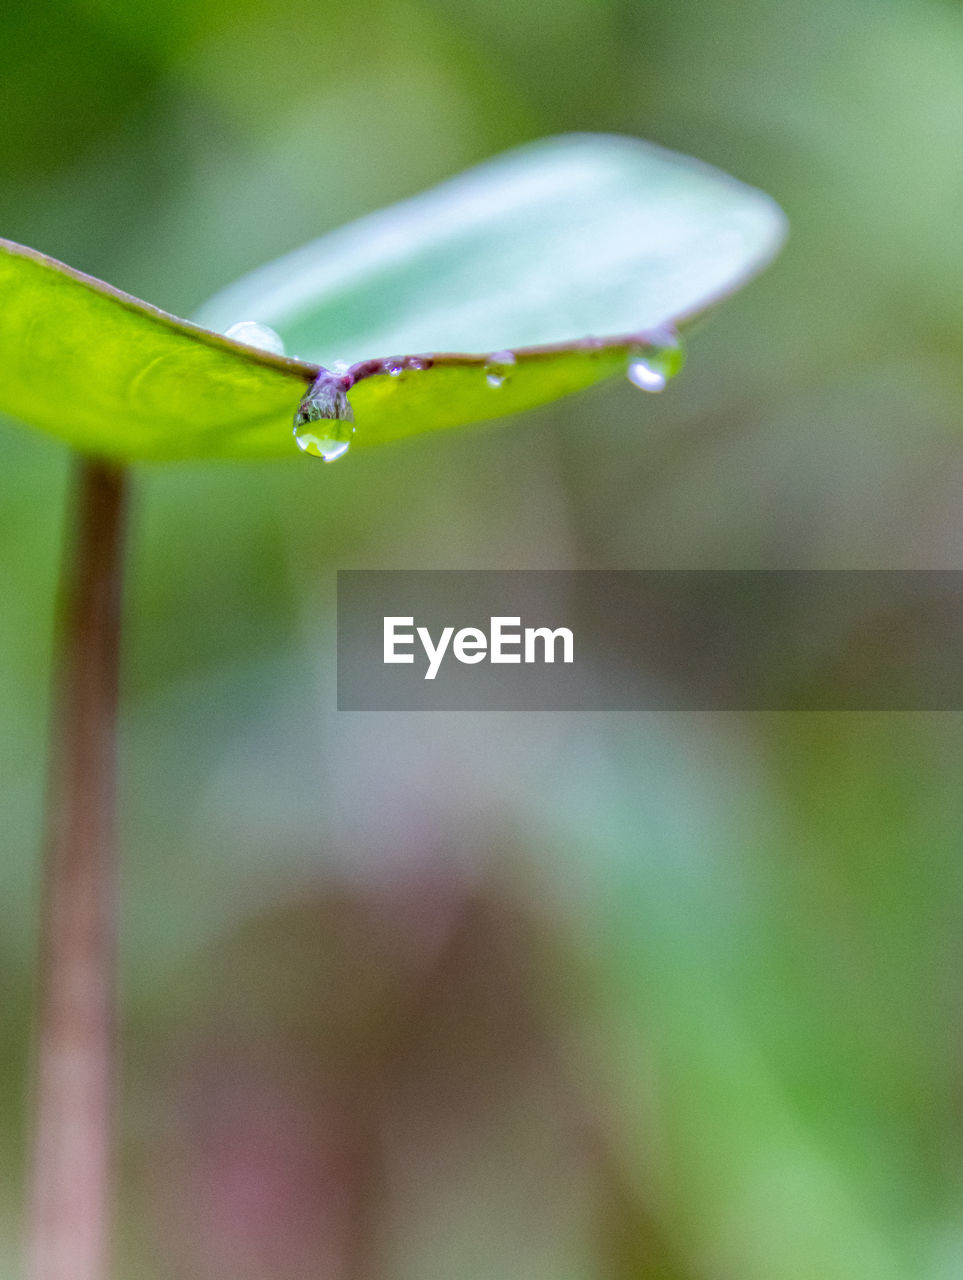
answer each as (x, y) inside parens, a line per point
(69, 1207)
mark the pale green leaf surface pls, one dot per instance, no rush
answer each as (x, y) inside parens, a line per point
(582, 234)
(540, 248)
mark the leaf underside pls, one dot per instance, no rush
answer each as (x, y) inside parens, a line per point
(535, 252)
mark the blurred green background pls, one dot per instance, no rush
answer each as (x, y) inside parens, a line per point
(561, 996)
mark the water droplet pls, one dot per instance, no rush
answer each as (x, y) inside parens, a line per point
(321, 446)
(324, 422)
(394, 367)
(417, 363)
(655, 360)
(644, 375)
(498, 368)
(253, 334)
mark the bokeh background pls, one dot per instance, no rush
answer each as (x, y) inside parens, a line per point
(568, 996)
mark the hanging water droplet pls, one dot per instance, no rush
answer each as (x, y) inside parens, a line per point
(324, 422)
(253, 334)
(498, 368)
(320, 446)
(644, 375)
(655, 360)
(394, 368)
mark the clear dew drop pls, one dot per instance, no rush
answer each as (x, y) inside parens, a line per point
(319, 446)
(498, 368)
(253, 334)
(324, 422)
(394, 367)
(644, 375)
(655, 361)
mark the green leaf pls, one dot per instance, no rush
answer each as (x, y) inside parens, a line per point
(113, 376)
(533, 252)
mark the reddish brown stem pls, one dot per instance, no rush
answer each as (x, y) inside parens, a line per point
(68, 1214)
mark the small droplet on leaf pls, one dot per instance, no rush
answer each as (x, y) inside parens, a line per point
(644, 375)
(498, 368)
(394, 368)
(653, 362)
(257, 335)
(319, 446)
(324, 422)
